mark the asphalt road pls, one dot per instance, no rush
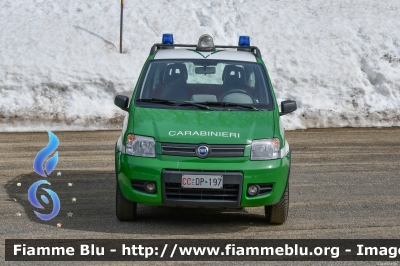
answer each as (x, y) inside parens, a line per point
(344, 183)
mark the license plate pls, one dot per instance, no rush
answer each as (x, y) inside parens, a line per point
(202, 181)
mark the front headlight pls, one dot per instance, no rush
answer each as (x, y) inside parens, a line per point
(140, 146)
(265, 149)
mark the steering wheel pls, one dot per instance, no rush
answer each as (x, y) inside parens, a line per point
(237, 91)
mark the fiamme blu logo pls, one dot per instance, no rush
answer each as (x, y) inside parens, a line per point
(45, 169)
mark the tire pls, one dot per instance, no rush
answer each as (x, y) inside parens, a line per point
(126, 210)
(278, 213)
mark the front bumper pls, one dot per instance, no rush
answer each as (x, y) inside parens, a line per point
(238, 171)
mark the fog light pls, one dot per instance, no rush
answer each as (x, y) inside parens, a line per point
(150, 187)
(252, 190)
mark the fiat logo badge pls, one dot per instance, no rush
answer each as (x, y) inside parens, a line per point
(202, 151)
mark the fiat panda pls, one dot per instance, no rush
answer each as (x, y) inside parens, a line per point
(203, 129)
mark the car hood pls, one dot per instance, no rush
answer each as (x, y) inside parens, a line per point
(199, 126)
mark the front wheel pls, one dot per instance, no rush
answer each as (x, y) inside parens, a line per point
(126, 210)
(278, 213)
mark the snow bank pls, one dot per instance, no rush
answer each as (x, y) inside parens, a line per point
(60, 68)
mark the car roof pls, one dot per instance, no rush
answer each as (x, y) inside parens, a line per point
(179, 53)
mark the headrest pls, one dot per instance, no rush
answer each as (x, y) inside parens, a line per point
(233, 75)
(173, 72)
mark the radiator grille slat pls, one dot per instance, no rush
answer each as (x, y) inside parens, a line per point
(178, 149)
(229, 196)
(227, 193)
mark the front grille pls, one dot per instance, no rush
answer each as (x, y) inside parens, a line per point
(174, 195)
(215, 150)
(229, 192)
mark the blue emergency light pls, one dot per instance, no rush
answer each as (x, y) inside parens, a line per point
(167, 38)
(244, 41)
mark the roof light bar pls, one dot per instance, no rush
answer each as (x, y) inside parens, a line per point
(206, 43)
(244, 41)
(167, 38)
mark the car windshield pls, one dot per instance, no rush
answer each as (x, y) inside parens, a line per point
(216, 83)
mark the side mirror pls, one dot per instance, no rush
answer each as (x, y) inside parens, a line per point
(288, 107)
(122, 102)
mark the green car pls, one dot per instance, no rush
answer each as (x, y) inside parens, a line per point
(203, 129)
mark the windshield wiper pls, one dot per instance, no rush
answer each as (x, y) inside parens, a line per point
(226, 104)
(201, 106)
(181, 103)
(153, 100)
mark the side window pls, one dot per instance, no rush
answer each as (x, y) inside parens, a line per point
(159, 74)
(251, 81)
(157, 79)
(249, 76)
(152, 78)
(146, 83)
(259, 87)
